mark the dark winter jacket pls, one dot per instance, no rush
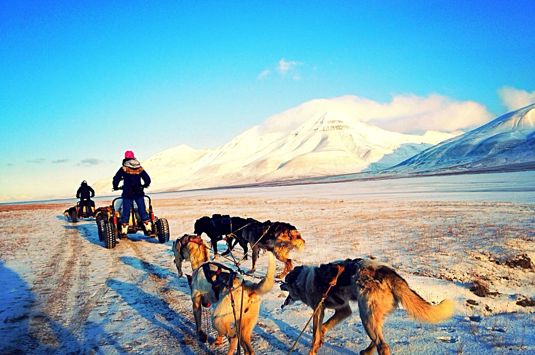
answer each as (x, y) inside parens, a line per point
(85, 192)
(131, 173)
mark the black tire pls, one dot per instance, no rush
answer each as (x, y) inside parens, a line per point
(101, 227)
(110, 236)
(162, 230)
(74, 216)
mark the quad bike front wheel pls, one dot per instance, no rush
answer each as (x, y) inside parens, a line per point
(110, 235)
(101, 227)
(162, 230)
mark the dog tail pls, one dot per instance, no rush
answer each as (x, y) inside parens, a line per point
(266, 284)
(419, 308)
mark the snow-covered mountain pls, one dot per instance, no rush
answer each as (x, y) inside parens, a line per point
(318, 138)
(506, 141)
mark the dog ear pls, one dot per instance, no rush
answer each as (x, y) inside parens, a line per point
(294, 234)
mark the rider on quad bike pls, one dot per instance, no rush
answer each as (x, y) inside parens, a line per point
(132, 174)
(84, 193)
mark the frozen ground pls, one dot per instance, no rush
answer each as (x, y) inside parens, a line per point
(63, 292)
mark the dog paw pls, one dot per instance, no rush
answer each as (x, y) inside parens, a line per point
(218, 341)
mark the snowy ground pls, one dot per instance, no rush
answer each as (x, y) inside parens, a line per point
(63, 292)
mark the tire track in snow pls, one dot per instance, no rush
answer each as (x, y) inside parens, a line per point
(70, 291)
(88, 298)
(53, 285)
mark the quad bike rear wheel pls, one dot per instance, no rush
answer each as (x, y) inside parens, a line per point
(162, 230)
(110, 236)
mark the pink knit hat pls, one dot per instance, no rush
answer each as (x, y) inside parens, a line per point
(129, 154)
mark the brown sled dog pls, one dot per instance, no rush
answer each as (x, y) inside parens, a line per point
(277, 237)
(207, 281)
(192, 248)
(377, 288)
(224, 316)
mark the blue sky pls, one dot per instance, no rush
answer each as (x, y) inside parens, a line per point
(82, 81)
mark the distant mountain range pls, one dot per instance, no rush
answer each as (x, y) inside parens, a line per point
(327, 137)
(507, 143)
(318, 138)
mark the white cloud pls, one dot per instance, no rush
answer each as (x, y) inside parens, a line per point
(514, 99)
(263, 74)
(410, 113)
(404, 113)
(90, 162)
(285, 66)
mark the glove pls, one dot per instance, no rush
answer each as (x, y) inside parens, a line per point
(146, 186)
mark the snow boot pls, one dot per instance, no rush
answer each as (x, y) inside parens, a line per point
(124, 229)
(148, 226)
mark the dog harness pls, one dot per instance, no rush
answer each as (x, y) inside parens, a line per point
(219, 276)
(191, 238)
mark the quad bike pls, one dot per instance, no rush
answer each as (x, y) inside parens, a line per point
(80, 211)
(111, 227)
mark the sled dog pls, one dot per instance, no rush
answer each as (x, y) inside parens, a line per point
(376, 288)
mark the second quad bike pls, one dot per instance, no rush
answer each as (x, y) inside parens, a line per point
(85, 210)
(109, 225)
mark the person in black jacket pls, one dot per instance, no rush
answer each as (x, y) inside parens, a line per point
(84, 193)
(134, 178)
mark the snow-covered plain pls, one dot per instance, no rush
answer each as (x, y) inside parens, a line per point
(63, 292)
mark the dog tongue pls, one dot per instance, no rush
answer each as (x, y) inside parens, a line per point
(207, 304)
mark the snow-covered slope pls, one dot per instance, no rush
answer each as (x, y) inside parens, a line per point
(318, 138)
(507, 140)
(405, 151)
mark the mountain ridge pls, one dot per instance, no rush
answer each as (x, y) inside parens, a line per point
(508, 139)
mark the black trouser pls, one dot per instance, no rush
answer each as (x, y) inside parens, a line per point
(88, 204)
